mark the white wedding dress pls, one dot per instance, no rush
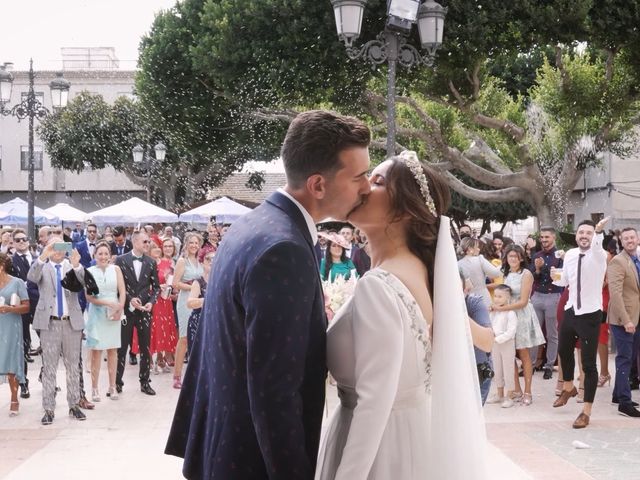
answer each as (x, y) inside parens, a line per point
(392, 423)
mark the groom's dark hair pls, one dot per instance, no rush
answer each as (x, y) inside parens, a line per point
(314, 141)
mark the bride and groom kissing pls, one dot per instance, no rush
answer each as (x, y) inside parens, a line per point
(253, 396)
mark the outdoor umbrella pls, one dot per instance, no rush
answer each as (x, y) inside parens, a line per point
(67, 213)
(224, 209)
(16, 212)
(133, 210)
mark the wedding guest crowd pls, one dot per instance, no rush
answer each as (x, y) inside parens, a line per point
(149, 295)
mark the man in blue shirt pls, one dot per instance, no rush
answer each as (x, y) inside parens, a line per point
(546, 295)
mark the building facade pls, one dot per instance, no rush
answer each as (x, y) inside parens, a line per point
(88, 190)
(612, 189)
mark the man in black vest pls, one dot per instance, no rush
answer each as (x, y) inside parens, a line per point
(141, 280)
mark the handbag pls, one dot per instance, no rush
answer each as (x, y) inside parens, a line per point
(71, 282)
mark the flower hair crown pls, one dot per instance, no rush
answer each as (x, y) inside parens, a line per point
(410, 159)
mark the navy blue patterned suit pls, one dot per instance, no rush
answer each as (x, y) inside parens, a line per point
(253, 394)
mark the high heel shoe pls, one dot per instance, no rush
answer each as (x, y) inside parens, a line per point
(526, 399)
(177, 383)
(112, 393)
(14, 409)
(602, 379)
(95, 395)
(515, 396)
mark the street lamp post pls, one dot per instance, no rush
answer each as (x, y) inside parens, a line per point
(391, 44)
(31, 108)
(141, 155)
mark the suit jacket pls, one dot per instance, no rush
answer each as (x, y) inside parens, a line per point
(20, 268)
(128, 246)
(624, 294)
(85, 254)
(44, 275)
(253, 394)
(147, 287)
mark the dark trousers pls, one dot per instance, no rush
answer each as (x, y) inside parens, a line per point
(141, 321)
(26, 342)
(624, 344)
(635, 360)
(585, 328)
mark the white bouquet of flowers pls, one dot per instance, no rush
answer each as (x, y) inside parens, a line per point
(337, 293)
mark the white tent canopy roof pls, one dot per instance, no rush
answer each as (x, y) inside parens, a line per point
(224, 209)
(134, 210)
(67, 213)
(16, 212)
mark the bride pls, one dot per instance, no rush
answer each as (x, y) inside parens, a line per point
(406, 375)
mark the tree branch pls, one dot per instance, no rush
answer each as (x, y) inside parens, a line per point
(510, 194)
(475, 80)
(267, 114)
(498, 180)
(611, 54)
(514, 131)
(461, 103)
(480, 151)
(566, 81)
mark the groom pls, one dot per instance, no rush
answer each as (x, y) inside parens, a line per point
(253, 394)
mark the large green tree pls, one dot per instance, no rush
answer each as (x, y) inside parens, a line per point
(527, 136)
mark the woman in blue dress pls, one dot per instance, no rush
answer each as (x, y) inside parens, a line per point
(336, 263)
(14, 301)
(105, 313)
(188, 269)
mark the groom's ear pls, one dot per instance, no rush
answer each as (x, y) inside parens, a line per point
(317, 186)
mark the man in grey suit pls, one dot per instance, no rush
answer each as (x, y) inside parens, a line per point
(58, 316)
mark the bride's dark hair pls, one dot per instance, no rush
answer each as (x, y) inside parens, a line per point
(406, 198)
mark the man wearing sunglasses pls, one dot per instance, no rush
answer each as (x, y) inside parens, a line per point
(141, 281)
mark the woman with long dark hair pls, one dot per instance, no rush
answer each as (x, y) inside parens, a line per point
(528, 333)
(379, 345)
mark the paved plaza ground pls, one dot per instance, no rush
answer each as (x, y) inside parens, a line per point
(124, 439)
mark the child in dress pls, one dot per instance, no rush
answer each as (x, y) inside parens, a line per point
(504, 325)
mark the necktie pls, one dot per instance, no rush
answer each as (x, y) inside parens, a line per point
(579, 275)
(139, 259)
(637, 264)
(59, 290)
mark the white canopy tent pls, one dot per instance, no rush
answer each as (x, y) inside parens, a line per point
(224, 209)
(67, 213)
(134, 210)
(16, 213)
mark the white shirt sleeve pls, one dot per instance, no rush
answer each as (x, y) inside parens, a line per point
(378, 349)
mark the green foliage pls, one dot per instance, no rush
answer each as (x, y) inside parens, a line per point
(90, 132)
(585, 103)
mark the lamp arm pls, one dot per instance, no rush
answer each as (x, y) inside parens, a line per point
(25, 109)
(375, 51)
(409, 56)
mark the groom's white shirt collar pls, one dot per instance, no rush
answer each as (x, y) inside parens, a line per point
(313, 231)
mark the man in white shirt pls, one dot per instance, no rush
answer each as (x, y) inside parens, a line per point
(583, 272)
(347, 233)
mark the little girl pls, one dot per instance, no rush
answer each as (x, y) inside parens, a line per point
(503, 353)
